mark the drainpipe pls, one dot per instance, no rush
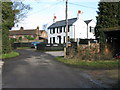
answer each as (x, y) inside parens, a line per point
(87, 31)
(74, 32)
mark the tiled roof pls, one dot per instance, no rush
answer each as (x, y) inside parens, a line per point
(25, 32)
(63, 23)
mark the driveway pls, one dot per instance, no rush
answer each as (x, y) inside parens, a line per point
(34, 69)
(55, 53)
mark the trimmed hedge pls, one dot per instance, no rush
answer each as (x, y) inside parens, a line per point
(54, 48)
(15, 45)
(45, 47)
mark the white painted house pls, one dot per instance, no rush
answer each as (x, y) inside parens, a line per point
(77, 29)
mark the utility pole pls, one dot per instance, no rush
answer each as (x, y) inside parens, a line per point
(38, 33)
(66, 11)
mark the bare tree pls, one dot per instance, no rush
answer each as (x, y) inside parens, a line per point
(20, 9)
(44, 27)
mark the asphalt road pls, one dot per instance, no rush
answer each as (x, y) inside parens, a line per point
(34, 69)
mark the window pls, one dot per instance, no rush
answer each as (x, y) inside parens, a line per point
(50, 40)
(50, 31)
(40, 38)
(57, 29)
(60, 30)
(53, 30)
(53, 39)
(68, 29)
(64, 39)
(92, 29)
(64, 29)
(68, 38)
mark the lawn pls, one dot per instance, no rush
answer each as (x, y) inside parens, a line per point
(95, 64)
(9, 55)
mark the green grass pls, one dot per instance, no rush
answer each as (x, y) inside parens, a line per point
(9, 55)
(23, 47)
(95, 64)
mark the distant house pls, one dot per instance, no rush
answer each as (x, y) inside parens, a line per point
(38, 35)
(77, 29)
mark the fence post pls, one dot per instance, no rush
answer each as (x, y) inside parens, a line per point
(65, 50)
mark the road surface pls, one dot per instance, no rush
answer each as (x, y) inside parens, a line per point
(33, 69)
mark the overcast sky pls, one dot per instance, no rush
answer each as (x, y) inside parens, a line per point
(43, 11)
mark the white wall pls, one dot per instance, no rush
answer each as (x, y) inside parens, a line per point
(91, 35)
(77, 30)
(80, 29)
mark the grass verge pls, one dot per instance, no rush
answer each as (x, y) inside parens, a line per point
(23, 47)
(9, 55)
(94, 64)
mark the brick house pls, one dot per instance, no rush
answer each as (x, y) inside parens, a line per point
(38, 35)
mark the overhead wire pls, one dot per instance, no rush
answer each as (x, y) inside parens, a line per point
(81, 5)
(49, 7)
(53, 5)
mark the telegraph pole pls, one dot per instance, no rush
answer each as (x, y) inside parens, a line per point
(66, 11)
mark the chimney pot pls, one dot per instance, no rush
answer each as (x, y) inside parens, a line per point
(54, 19)
(21, 28)
(79, 12)
(38, 27)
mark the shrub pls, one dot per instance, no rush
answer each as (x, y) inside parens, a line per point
(85, 52)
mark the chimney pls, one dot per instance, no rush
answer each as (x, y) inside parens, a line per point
(37, 27)
(79, 14)
(21, 28)
(54, 19)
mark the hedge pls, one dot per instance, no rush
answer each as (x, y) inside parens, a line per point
(45, 47)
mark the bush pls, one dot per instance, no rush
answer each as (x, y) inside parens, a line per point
(16, 45)
(44, 47)
(85, 52)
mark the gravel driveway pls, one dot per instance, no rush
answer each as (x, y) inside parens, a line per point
(34, 69)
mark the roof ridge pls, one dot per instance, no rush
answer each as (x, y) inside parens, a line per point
(64, 20)
(88, 20)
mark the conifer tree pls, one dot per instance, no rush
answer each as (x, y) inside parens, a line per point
(108, 17)
(108, 14)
